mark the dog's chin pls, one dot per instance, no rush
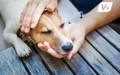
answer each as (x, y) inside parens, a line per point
(62, 52)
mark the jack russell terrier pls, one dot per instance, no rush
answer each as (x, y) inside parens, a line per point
(49, 29)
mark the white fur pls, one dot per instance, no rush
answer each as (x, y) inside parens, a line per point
(10, 11)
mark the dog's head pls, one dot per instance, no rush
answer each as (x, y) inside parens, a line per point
(50, 29)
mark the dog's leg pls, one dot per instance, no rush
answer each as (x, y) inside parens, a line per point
(10, 36)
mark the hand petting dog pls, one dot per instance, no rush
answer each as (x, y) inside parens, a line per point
(30, 19)
(33, 11)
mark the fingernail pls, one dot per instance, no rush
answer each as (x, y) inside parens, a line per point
(70, 56)
(27, 30)
(46, 43)
(39, 45)
(49, 8)
(22, 28)
(33, 25)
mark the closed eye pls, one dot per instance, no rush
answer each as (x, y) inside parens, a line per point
(46, 32)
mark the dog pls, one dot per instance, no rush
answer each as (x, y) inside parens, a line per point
(49, 29)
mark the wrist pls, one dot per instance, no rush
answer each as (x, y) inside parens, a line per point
(88, 25)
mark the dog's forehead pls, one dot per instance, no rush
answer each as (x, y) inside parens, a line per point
(47, 26)
(50, 21)
(50, 24)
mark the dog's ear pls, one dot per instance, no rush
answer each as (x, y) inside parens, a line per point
(22, 35)
(26, 38)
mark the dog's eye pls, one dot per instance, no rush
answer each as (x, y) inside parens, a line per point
(46, 32)
(62, 25)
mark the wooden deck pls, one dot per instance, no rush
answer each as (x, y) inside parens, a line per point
(100, 54)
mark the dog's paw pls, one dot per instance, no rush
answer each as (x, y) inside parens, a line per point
(22, 50)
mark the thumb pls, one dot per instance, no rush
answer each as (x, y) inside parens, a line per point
(51, 5)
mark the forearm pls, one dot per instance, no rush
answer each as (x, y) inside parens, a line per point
(95, 19)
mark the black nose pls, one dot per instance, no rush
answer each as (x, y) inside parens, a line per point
(67, 47)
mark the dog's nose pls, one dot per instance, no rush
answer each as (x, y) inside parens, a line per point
(67, 47)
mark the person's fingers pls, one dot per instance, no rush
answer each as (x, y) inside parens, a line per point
(26, 30)
(29, 13)
(47, 44)
(39, 10)
(22, 28)
(46, 47)
(23, 18)
(24, 11)
(54, 54)
(52, 5)
(23, 14)
(43, 47)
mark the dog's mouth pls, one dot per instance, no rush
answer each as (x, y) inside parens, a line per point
(63, 48)
(61, 52)
(64, 53)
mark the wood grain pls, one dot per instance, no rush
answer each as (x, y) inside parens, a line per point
(10, 64)
(96, 60)
(107, 50)
(112, 36)
(79, 66)
(56, 66)
(35, 65)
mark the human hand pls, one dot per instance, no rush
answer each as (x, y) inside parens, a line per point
(51, 5)
(76, 32)
(33, 11)
(46, 48)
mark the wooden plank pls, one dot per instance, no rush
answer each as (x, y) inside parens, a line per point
(56, 66)
(79, 66)
(102, 46)
(110, 35)
(35, 65)
(10, 63)
(96, 60)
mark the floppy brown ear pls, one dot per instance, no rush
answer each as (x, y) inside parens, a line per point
(25, 37)
(22, 35)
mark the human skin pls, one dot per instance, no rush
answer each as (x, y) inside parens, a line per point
(32, 13)
(91, 21)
